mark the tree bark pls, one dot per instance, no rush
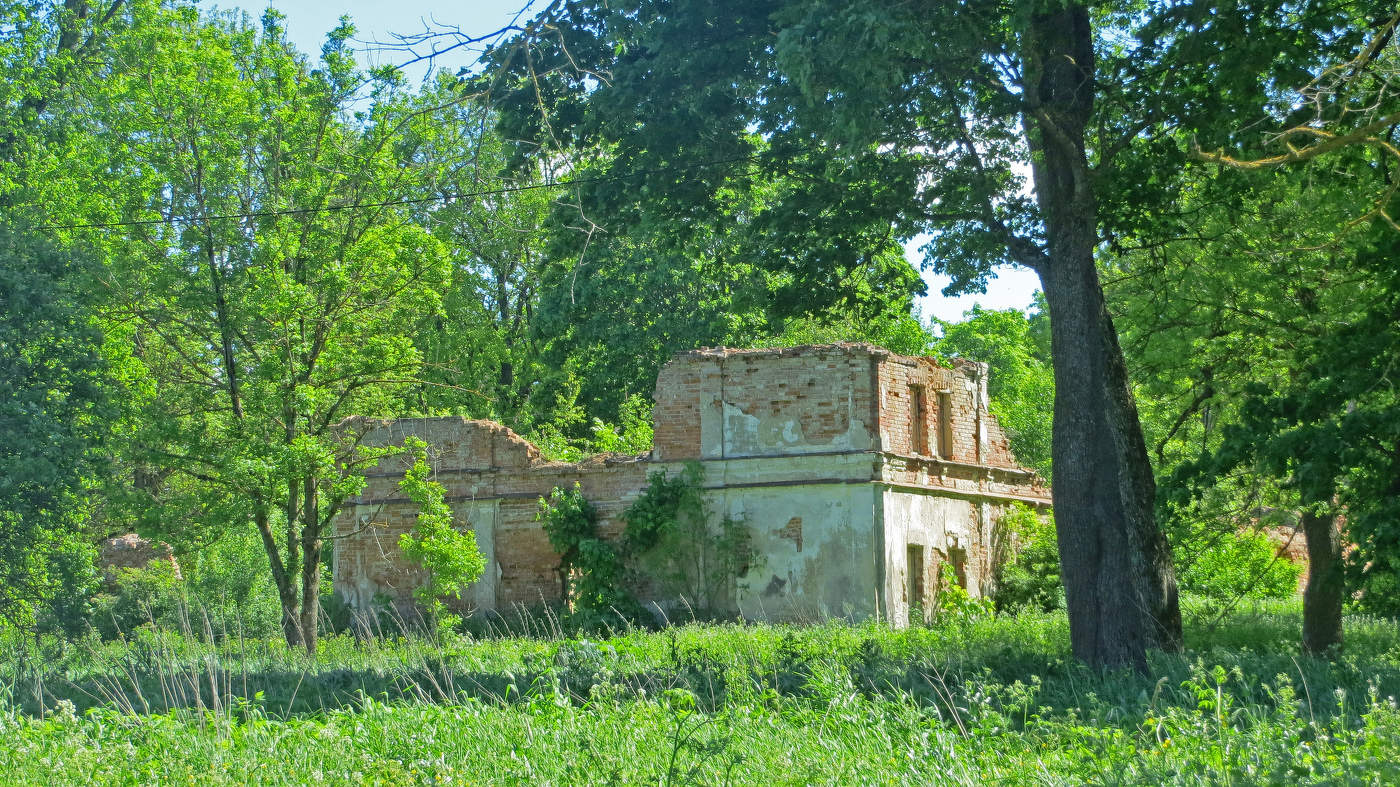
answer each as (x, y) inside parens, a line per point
(1326, 588)
(1120, 585)
(286, 590)
(310, 567)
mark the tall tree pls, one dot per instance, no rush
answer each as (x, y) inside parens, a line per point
(1303, 300)
(47, 49)
(265, 278)
(54, 394)
(862, 126)
(480, 352)
(1234, 304)
(59, 370)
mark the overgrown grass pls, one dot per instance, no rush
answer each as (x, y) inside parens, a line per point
(989, 700)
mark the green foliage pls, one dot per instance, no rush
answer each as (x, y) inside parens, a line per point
(255, 338)
(1021, 383)
(1029, 577)
(668, 504)
(982, 700)
(1255, 326)
(448, 557)
(1327, 434)
(481, 355)
(222, 589)
(952, 604)
(228, 582)
(670, 538)
(54, 394)
(592, 572)
(667, 542)
(150, 597)
(632, 435)
(897, 331)
(1231, 566)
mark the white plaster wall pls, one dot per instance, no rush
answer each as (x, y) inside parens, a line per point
(819, 556)
(481, 518)
(936, 523)
(727, 430)
(755, 435)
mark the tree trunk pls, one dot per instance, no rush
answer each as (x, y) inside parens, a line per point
(286, 590)
(1326, 588)
(310, 567)
(1120, 586)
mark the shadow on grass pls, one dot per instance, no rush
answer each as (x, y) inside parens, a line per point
(1006, 666)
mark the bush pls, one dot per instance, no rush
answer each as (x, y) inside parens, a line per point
(150, 596)
(670, 539)
(230, 582)
(591, 568)
(668, 544)
(70, 576)
(1228, 566)
(450, 558)
(1030, 576)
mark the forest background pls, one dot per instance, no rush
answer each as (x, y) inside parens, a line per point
(216, 248)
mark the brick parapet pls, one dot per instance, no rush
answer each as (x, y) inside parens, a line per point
(802, 416)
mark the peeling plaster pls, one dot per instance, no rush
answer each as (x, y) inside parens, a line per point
(800, 444)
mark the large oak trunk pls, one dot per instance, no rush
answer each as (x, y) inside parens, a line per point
(1326, 588)
(1120, 585)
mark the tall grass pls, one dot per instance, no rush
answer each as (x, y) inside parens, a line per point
(972, 701)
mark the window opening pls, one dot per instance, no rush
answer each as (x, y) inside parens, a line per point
(945, 424)
(918, 608)
(958, 557)
(918, 432)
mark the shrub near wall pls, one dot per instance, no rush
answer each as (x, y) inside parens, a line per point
(1030, 577)
(670, 535)
(591, 570)
(668, 543)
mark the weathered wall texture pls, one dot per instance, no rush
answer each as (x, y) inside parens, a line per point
(846, 463)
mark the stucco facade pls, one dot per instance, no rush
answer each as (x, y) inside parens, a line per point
(857, 472)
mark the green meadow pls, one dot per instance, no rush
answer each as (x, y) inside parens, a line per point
(977, 700)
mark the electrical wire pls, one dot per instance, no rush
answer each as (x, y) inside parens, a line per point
(388, 203)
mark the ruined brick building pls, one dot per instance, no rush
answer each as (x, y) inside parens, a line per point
(857, 472)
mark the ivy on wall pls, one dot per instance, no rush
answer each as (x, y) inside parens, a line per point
(668, 542)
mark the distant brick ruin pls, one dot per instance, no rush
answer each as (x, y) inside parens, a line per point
(133, 551)
(859, 473)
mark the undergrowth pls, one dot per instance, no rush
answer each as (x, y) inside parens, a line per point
(972, 701)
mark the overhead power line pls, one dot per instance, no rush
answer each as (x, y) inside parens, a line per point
(257, 214)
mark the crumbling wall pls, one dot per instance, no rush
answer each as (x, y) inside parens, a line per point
(133, 551)
(977, 438)
(493, 480)
(814, 449)
(817, 550)
(723, 404)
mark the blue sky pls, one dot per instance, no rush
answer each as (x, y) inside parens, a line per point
(309, 21)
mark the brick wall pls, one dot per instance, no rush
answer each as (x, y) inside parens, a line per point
(721, 406)
(977, 438)
(493, 480)
(718, 403)
(676, 417)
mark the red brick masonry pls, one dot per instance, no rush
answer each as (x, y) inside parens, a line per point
(814, 447)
